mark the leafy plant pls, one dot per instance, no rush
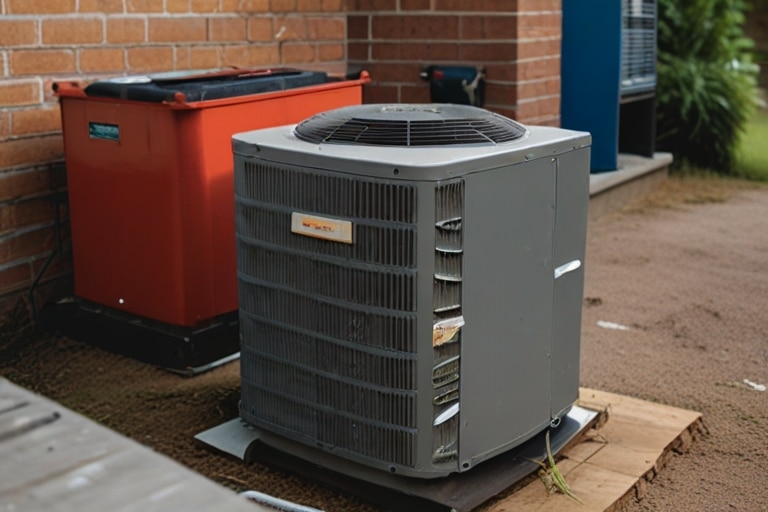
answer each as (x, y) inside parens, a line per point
(752, 156)
(706, 86)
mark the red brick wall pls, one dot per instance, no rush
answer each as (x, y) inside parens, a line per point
(43, 41)
(517, 41)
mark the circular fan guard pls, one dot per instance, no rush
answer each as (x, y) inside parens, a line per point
(409, 125)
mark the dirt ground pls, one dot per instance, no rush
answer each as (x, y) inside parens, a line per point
(686, 271)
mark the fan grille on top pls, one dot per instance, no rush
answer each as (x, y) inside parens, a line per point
(409, 125)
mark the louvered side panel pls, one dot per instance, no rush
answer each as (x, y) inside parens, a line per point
(328, 328)
(384, 368)
(330, 393)
(269, 225)
(342, 322)
(343, 196)
(385, 288)
(448, 319)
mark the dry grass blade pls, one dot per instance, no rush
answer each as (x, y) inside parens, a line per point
(551, 475)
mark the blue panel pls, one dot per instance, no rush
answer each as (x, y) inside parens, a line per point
(591, 75)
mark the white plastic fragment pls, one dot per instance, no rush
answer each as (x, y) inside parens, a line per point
(567, 267)
(611, 325)
(754, 385)
(277, 503)
(443, 331)
(446, 415)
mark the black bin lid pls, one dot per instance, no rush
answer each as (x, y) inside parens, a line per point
(204, 85)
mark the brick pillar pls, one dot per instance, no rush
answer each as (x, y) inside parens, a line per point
(517, 41)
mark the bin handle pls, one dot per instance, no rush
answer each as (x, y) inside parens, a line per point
(72, 89)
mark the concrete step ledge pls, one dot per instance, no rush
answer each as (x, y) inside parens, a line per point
(635, 178)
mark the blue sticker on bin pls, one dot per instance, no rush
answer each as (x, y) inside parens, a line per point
(104, 131)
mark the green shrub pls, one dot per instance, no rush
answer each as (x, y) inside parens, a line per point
(706, 81)
(752, 156)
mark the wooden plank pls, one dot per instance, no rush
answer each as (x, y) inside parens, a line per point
(593, 485)
(614, 461)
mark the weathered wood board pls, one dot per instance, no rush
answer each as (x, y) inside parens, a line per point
(613, 462)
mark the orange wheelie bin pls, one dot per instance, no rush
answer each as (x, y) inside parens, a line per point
(151, 201)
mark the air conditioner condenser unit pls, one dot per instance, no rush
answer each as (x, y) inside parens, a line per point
(410, 284)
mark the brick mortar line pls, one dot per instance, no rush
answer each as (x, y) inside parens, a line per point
(422, 12)
(108, 15)
(538, 39)
(538, 80)
(16, 291)
(166, 44)
(76, 46)
(492, 82)
(460, 42)
(30, 260)
(536, 13)
(34, 165)
(494, 14)
(10, 79)
(22, 261)
(543, 57)
(34, 196)
(537, 98)
(20, 231)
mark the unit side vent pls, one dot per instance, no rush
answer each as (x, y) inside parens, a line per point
(447, 298)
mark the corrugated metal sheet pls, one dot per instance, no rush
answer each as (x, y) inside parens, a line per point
(54, 459)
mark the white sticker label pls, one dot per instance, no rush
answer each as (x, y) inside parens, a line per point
(321, 227)
(444, 330)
